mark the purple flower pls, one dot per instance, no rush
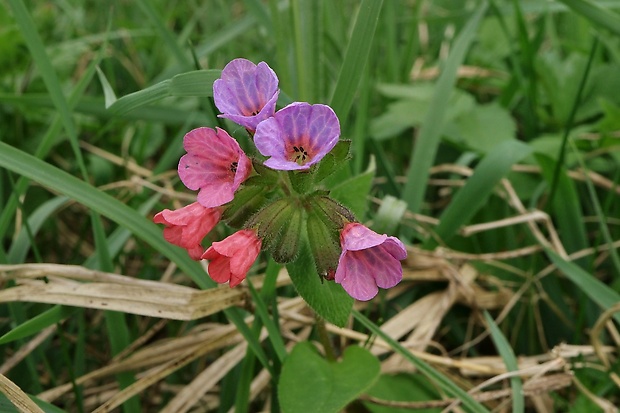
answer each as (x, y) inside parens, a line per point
(368, 261)
(214, 164)
(297, 136)
(246, 93)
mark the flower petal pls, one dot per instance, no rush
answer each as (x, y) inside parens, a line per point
(186, 227)
(219, 268)
(231, 258)
(214, 164)
(368, 261)
(355, 237)
(246, 93)
(358, 283)
(298, 136)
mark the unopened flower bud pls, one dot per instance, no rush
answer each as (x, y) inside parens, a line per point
(324, 244)
(279, 225)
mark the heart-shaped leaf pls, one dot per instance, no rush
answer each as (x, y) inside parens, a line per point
(309, 383)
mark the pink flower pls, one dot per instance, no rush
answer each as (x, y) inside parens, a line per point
(246, 93)
(186, 227)
(297, 136)
(231, 258)
(368, 261)
(214, 164)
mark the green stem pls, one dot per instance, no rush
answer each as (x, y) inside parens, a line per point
(324, 337)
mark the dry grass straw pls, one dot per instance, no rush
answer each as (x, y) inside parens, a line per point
(17, 396)
(218, 348)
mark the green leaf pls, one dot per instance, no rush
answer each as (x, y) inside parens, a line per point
(596, 14)
(353, 192)
(485, 126)
(402, 387)
(324, 387)
(38, 323)
(272, 328)
(598, 292)
(21, 244)
(355, 57)
(334, 160)
(429, 136)
(164, 33)
(108, 92)
(197, 83)
(439, 379)
(44, 65)
(505, 351)
(566, 206)
(473, 196)
(327, 299)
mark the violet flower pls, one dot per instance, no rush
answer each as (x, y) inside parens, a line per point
(214, 164)
(231, 258)
(186, 227)
(246, 93)
(297, 136)
(368, 261)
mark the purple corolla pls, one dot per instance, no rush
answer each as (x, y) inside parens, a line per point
(246, 93)
(368, 261)
(297, 136)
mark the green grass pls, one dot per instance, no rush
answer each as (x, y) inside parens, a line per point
(462, 121)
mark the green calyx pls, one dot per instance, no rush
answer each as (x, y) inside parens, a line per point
(279, 224)
(326, 218)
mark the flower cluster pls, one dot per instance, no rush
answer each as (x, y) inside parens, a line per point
(275, 201)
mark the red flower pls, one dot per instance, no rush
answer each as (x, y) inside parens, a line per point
(231, 258)
(186, 227)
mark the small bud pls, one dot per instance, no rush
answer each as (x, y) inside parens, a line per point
(279, 225)
(324, 244)
(332, 213)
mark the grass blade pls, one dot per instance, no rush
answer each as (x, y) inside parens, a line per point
(479, 187)
(599, 16)
(442, 381)
(598, 292)
(38, 323)
(197, 83)
(33, 40)
(423, 153)
(355, 57)
(505, 351)
(58, 180)
(270, 325)
(149, 9)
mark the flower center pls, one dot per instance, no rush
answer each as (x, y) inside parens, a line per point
(233, 167)
(299, 155)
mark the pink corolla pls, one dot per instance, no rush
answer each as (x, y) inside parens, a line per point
(231, 258)
(246, 93)
(214, 164)
(297, 136)
(186, 227)
(368, 261)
